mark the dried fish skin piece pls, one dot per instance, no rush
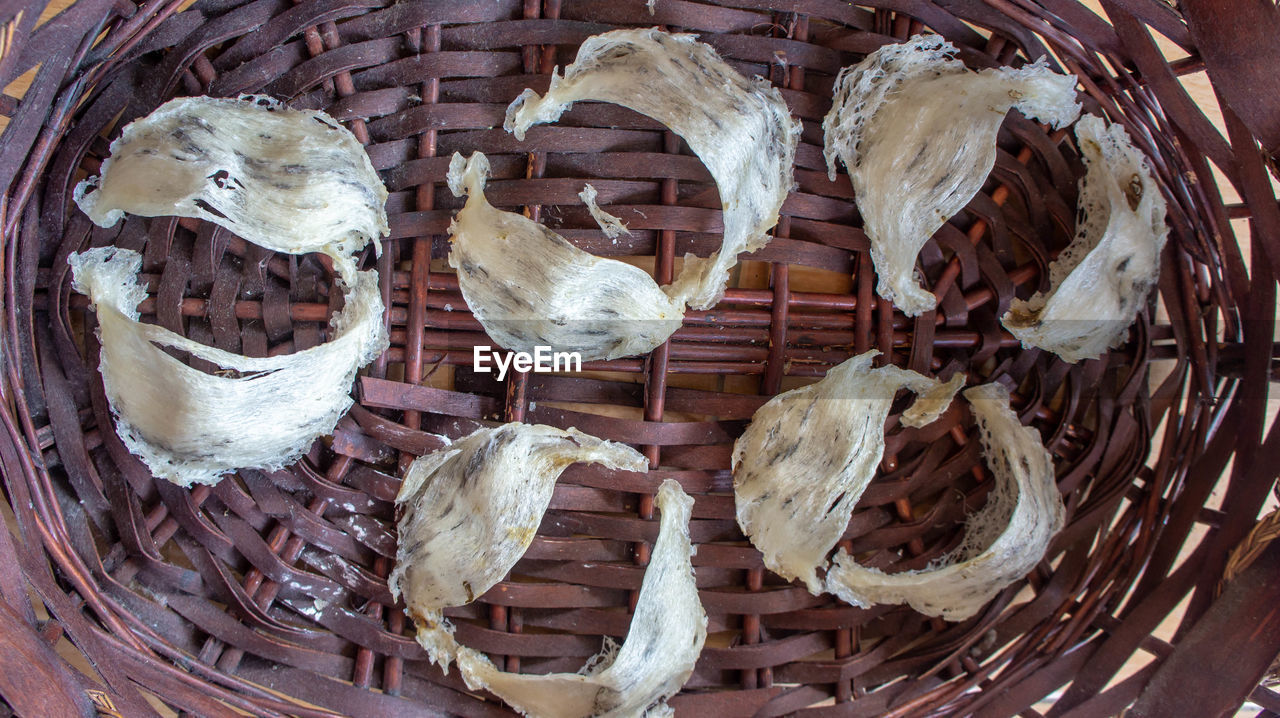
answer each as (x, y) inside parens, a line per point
(190, 427)
(810, 453)
(530, 287)
(472, 508)
(1004, 541)
(666, 636)
(1101, 280)
(740, 128)
(609, 224)
(290, 180)
(917, 132)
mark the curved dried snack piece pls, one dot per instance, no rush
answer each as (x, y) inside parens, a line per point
(1100, 281)
(290, 180)
(809, 453)
(471, 509)
(192, 427)
(530, 287)
(917, 132)
(1004, 541)
(666, 636)
(739, 128)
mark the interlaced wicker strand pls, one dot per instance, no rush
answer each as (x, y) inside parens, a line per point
(266, 594)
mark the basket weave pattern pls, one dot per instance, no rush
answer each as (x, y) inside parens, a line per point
(267, 592)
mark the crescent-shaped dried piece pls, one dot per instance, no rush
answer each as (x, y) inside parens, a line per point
(809, 453)
(290, 180)
(530, 287)
(1099, 282)
(191, 427)
(1004, 541)
(740, 128)
(666, 636)
(917, 132)
(471, 509)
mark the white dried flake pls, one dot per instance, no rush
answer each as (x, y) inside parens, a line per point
(609, 224)
(530, 287)
(666, 636)
(740, 128)
(289, 180)
(917, 132)
(809, 453)
(191, 427)
(1101, 280)
(471, 509)
(1003, 542)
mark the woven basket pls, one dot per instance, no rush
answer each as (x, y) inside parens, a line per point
(266, 595)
